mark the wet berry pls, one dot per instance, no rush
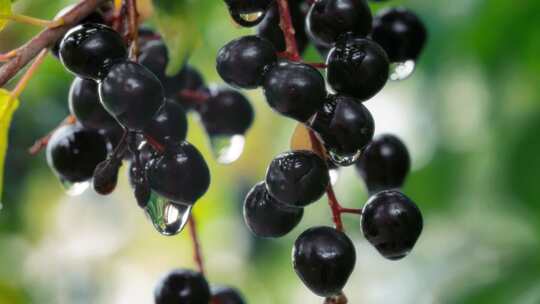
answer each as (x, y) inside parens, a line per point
(400, 33)
(267, 217)
(106, 176)
(154, 56)
(132, 94)
(90, 49)
(74, 152)
(169, 125)
(297, 178)
(242, 62)
(392, 223)
(226, 112)
(227, 295)
(324, 258)
(271, 30)
(357, 67)
(329, 19)
(179, 174)
(384, 163)
(182, 286)
(295, 90)
(84, 103)
(344, 125)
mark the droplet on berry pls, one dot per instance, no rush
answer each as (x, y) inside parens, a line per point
(74, 189)
(167, 217)
(249, 19)
(227, 148)
(402, 70)
(182, 286)
(344, 160)
(334, 176)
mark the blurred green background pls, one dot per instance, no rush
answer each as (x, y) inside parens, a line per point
(469, 115)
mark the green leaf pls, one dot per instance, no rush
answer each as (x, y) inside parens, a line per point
(5, 9)
(7, 108)
(179, 22)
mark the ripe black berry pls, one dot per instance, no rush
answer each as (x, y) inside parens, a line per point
(392, 223)
(329, 19)
(226, 112)
(357, 67)
(182, 286)
(400, 33)
(384, 163)
(106, 176)
(324, 258)
(84, 103)
(242, 62)
(344, 124)
(169, 125)
(90, 49)
(188, 79)
(267, 217)
(271, 30)
(132, 94)
(154, 56)
(74, 152)
(227, 295)
(294, 89)
(179, 174)
(297, 178)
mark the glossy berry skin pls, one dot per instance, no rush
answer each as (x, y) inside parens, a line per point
(132, 94)
(357, 67)
(400, 33)
(90, 49)
(329, 19)
(154, 55)
(169, 125)
(74, 152)
(344, 124)
(324, 258)
(270, 29)
(295, 90)
(182, 286)
(227, 295)
(226, 112)
(243, 61)
(179, 174)
(188, 79)
(384, 163)
(392, 223)
(84, 103)
(297, 178)
(266, 217)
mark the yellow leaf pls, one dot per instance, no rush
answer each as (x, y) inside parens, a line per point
(7, 108)
(5, 9)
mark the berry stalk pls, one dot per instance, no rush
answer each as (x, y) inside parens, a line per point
(133, 16)
(197, 251)
(291, 51)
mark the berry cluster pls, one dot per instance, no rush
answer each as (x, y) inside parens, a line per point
(362, 53)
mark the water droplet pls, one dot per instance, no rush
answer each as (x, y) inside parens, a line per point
(402, 70)
(248, 20)
(168, 218)
(344, 160)
(75, 189)
(227, 149)
(252, 17)
(334, 176)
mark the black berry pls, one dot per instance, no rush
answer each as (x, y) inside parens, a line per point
(357, 67)
(188, 79)
(392, 223)
(344, 124)
(295, 90)
(324, 258)
(182, 286)
(169, 125)
(297, 178)
(384, 163)
(329, 19)
(227, 295)
(242, 62)
(400, 33)
(267, 217)
(226, 112)
(271, 30)
(74, 152)
(154, 56)
(85, 105)
(90, 49)
(132, 94)
(106, 176)
(179, 174)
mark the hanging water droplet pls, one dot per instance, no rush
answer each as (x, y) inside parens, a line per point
(75, 189)
(227, 149)
(334, 176)
(344, 160)
(168, 218)
(402, 70)
(249, 19)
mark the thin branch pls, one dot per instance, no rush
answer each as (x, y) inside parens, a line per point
(133, 16)
(46, 38)
(288, 30)
(197, 252)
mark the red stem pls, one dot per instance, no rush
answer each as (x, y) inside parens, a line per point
(194, 96)
(133, 16)
(197, 252)
(291, 52)
(154, 143)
